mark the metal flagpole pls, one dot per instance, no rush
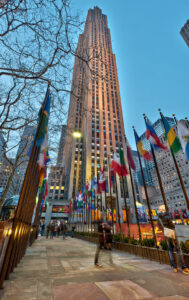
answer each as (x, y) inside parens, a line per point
(118, 212)
(158, 174)
(147, 198)
(22, 206)
(126, 208)
(177, 168)
(111, 193)
(136, 211)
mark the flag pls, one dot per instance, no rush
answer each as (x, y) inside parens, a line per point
(112, 177)
(183, 133)
(143, 152)
(171, 137)
(102, 181)
(115, 165)
(123, 167)
(130, 159)
(153, 138)
(95, 183)
(44, 120)
(86, 188)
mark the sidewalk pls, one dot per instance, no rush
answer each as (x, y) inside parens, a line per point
(64, 270)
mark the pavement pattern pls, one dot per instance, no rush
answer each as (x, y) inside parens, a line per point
(57, 269)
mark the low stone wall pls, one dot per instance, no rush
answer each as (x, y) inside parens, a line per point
(154, 254)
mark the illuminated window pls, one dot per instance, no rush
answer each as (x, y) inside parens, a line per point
(52, 187)
(62, 187)
(57, 187)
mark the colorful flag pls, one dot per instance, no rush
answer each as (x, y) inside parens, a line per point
(102, 181)
(95, 183)
(86, 188)
(143, 152)
(115, 165)
(152, 137)
(112, 177)
(130, 158)
(171, 137)
(44, 120)
(123, 167)
(183, 133)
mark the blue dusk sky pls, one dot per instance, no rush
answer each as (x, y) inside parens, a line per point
(152, 58)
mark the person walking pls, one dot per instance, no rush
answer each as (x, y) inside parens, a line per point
(64, 229)
(52, 230)
(73, 229)
(172, 242)
(100, 244)
(108, 236)
(48, 230)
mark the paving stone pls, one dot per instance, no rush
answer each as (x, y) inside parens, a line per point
(56, 267)
(78, 291)
(123, 290)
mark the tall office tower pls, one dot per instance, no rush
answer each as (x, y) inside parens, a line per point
(61, 146)
(95, 105)
(185, 32)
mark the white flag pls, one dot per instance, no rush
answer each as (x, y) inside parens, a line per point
(183, 133)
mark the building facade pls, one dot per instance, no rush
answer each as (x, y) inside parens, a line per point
(61, 146)
(170, 180)
(95, 109)
(185, 32)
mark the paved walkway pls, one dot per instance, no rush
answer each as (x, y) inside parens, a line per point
(63, 270)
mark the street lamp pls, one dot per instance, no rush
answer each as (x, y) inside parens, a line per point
(77, 134)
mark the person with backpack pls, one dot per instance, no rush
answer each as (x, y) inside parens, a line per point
(172, 242)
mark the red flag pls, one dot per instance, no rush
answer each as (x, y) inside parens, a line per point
(130, 159)
(102, 181)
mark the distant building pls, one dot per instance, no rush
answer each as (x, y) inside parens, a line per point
(168, 173)
(56, 204)
(185, 32)
(61, 146)
(22, 153)
(95, 108)
(5, 171)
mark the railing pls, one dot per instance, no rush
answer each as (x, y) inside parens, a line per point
(5, 232)
(150, 253)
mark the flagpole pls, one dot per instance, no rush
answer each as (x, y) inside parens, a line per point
(158, 174)
(118, 212)
(126, 208)
(177, 168)
(136, 211)
(111, 193)
(147, 198)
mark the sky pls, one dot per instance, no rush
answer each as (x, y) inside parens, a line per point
(152, 57)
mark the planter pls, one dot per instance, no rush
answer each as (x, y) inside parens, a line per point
(154, 254)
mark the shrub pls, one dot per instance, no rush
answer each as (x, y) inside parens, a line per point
(164, 245)
(116, 237)
(133, 241)
(148, 242)
(185, 247)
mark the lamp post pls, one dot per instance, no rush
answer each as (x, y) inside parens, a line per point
(77, 135)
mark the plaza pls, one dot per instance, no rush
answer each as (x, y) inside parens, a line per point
(64, 269)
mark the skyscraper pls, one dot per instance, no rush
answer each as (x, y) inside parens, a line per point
(95, 105)
(185, 32)
(61, 146)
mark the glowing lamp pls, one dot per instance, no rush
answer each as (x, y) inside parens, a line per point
(77, 134)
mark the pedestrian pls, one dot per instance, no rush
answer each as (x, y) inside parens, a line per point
(52, 230)
(108, 236)
(58, 230)
(48, 230)
(42, 229)
(172, 242)
(100, 244)
(73, 229)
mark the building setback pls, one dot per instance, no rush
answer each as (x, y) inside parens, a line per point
(185, 32)
(95, 105)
